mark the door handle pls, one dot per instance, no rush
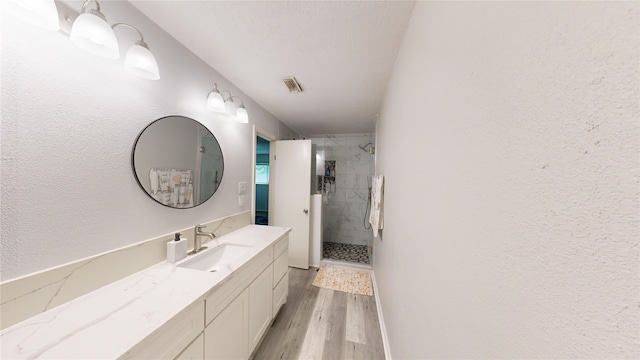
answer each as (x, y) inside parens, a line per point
(306, 211)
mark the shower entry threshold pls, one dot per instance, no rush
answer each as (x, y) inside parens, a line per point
(345, 264)
(349, 253)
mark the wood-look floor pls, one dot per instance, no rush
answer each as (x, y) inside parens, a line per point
(320, 323)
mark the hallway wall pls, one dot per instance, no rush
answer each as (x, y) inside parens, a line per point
(508, 138)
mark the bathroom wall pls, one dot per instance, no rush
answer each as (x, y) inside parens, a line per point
(508, 137)
(69, 120)
(343, 215)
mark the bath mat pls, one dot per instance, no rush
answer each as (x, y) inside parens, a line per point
(349, 281)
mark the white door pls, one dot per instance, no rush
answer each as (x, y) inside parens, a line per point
(291, 195)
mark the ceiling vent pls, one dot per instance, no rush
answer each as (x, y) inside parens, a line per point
(292, 84)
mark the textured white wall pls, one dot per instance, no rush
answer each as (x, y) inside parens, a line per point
(69, 120)
(509, 138)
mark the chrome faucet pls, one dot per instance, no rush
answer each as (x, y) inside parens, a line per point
(197, 243)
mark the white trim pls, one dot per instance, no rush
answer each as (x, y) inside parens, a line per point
(346, 264)
(270, 201)
(254, 161)
(383, 328)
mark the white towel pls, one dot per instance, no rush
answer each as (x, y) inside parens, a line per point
(172, 187)
(377, 201)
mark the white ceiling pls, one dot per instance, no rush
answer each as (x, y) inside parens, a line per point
(341, 52)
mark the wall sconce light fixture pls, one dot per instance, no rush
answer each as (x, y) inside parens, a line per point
(241, 113)
(217, 103)
(92, 33)
(89, 31)
(41, 13)
(139, 60)
(229, 106)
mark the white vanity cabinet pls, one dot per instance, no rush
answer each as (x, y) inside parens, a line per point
(239, 312)
(168, 311)
(226, 337)
(280, 281)
(260, 307)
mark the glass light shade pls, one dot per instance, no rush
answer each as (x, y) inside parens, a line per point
(230, 108)
(91, 33)
(215, 102)
(41, 13)
(141, 62)
(241, 115)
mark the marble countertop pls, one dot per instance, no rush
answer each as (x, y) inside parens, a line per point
(109, 321)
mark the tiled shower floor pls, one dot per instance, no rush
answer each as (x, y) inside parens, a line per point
(346, 252)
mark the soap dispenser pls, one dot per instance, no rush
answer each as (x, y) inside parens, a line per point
(176, 249)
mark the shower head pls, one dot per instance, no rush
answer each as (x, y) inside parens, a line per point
(364, 147)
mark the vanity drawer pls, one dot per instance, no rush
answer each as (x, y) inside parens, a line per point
(174, 336)
(222, 296)
(280, 267)
(281, 245)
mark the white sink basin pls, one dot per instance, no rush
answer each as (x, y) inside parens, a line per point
(215, 258)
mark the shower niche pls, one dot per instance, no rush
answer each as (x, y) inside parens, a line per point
(327, 181)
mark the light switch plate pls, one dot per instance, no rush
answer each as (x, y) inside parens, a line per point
(242, 188)
(241, 200)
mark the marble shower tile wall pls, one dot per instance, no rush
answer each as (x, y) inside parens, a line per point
(343, 220)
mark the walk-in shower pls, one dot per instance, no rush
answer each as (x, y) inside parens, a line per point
(343, 177)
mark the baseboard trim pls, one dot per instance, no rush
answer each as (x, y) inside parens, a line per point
(383, 328)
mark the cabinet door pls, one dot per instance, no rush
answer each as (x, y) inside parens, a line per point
(260, 306)
(280, 294)
(227, 335)
(195, 351)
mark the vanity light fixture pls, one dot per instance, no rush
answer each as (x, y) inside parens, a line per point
(227, 107)
(241, 113)
(139, 60)
(41, 13)
(91, 32)
(215, 101)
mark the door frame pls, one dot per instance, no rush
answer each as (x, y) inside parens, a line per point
(271, 138)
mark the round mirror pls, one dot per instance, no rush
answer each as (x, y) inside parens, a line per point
(177, 161)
